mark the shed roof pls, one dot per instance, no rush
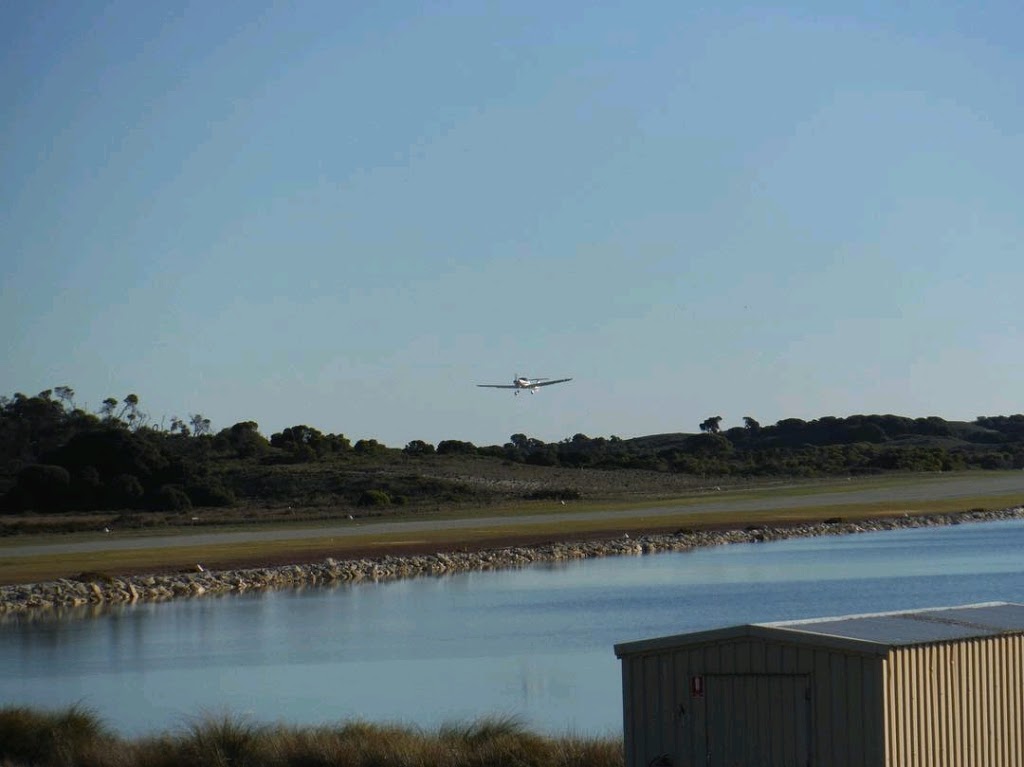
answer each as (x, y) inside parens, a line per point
(872, 633)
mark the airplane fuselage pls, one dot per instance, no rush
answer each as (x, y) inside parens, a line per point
(520, 383)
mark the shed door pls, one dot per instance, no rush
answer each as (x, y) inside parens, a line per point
(758, 720)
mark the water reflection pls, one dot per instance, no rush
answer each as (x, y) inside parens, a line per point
(536, 642)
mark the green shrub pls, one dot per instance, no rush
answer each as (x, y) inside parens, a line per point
(455, 447)
(554, 494)
(86, 488)
(170, 498)
(125, 491)
(374, 498)
(419, 447)
(210, 492)
(43, 487)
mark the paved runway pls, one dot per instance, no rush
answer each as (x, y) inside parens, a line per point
(860, 491)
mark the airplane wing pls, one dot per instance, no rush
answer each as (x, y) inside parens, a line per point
(554, 381)
(496, 386)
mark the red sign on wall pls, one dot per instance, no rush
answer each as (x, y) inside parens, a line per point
(697, 686)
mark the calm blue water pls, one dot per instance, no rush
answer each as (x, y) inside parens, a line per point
(536, 643)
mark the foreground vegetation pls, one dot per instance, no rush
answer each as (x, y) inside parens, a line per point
(57, 458)
(75, 736)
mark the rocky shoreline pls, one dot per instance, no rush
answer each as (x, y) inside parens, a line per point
(99, 590)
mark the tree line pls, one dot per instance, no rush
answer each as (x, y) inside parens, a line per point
(56, 456)
(858, 444)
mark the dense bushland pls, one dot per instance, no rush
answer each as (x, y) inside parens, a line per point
(56, 457)
(77, 737)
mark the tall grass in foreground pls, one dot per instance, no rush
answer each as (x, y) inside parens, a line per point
(75, 737)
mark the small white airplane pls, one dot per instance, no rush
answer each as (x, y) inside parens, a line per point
(520, 383)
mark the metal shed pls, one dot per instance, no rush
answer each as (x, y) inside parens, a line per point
(941, 687)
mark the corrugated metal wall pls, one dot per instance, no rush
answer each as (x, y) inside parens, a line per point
(667, 713)
(758, 719)
(957, 705)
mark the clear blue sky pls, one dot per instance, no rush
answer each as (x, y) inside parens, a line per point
(347, 214)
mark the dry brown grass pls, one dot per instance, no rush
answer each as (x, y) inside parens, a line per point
(77, 737)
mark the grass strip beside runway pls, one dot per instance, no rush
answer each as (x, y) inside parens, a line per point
(366, 541)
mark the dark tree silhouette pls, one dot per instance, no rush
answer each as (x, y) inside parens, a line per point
(418, 447)
(66, 395)
(107, 408)
(200, 425)
(710, 425)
